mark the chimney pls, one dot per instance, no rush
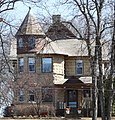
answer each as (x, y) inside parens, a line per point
(56, 18)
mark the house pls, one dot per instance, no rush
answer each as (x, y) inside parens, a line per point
(53, 69)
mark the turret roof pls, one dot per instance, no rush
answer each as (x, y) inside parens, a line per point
(30, 26)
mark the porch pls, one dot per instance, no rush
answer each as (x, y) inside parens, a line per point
(75, 100)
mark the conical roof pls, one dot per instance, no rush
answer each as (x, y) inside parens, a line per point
(30, 26)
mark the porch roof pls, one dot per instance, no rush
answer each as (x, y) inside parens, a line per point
(75, 81)
(86, 80)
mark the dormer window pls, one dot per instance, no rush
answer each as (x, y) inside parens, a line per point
(31, 42)
(20, 42)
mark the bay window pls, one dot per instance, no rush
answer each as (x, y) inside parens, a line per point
(46, 65)
(31, 64)
(21, 64)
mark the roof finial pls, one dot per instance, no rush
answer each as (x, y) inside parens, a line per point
(29, 8)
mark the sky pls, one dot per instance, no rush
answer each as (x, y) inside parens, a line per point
(47, 9)
(43, 12)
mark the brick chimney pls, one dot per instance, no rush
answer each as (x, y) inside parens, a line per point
(56, 18)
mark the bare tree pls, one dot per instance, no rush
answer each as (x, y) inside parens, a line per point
(6, 70)
(111, 75)
(35, 94)
(92, 13)
(94, 28)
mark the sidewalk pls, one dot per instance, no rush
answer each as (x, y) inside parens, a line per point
(86, 118)
(55, 118)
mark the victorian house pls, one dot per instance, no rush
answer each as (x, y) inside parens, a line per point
(53, 69)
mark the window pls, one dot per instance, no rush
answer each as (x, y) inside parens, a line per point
(31, 64)
(20, 42)
(86, 92)
(46, 65)
(21, 95)
(31, 95)
(21, 65)
(60, 105)
(47, 95)
(79, 67)
(31, 42)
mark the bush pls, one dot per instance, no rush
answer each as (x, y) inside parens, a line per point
(8, 111)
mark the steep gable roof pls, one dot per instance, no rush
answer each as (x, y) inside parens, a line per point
(30, 26)
(60, 29)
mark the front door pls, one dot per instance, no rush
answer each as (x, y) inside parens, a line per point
(72, 101)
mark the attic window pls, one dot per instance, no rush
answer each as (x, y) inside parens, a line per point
(31, 42)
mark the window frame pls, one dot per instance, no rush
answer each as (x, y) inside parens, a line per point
(51, 64)
(77, 73)
(21, 97)
(21, 71)
(32, 64)
(31, 42)
(49, 91)
(86, 91)
(20, 42)
(31, 93)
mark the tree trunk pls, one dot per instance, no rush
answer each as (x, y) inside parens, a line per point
(95, 98)
(95, 90)
(93, 64)
(101, 85)
(111, 77)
